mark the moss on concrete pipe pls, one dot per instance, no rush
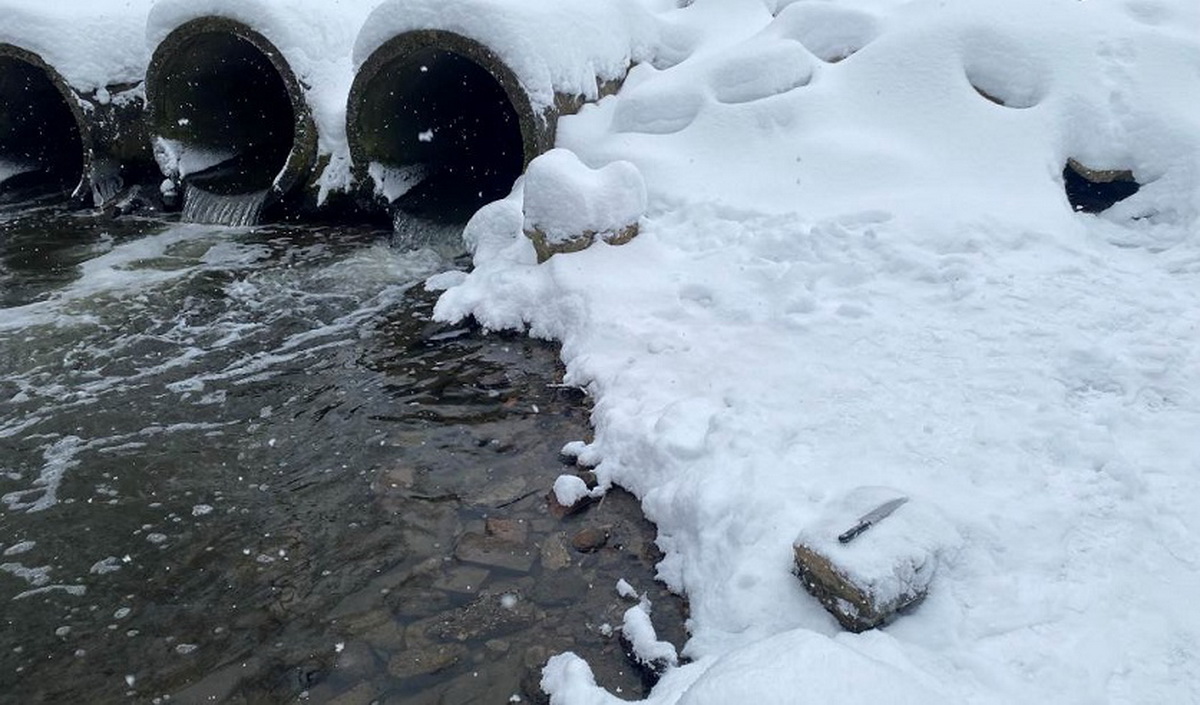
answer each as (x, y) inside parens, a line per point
(227, 113)
(54, 137)
(442, 111)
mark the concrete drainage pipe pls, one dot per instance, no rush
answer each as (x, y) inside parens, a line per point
(440, 125)
(42, 127)
(229, 121)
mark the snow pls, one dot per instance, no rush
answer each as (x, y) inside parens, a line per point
(856, 267)
(552, 46)
(569, 489)
(91, 45)
(393, 182)
(565, 199)
(643, 639)
(856, 270)
(178, 159)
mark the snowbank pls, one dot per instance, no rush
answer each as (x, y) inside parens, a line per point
(859, 267)
(93, 45)
(552, 46)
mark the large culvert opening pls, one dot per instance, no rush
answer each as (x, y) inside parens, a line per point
(1096, 190)
(40, 142)
(220, 110)
(437, 131)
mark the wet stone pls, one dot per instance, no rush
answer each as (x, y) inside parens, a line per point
(554, 554)
(356, 660)
(488, 617)
(389, 636)
(361, 694)
(425, 660)
(589, 540)
(509, 530)
(462, 579)
(493, 552)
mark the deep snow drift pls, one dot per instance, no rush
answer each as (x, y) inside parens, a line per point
(859, 267)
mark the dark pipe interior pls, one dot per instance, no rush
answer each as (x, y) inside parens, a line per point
(476, 151)
(1093, 196)
(218, 91)
(37, 127)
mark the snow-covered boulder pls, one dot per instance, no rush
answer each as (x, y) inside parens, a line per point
(568, 204)
(866, 580)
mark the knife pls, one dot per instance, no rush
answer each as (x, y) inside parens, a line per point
(871, 518)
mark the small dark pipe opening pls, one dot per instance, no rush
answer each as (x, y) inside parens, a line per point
(39, 136)
(448, 116)
(1092, 191)
(221, 97)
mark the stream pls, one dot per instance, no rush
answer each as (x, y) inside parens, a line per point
(244, 465)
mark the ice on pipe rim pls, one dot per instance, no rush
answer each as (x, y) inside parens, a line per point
(215, 84)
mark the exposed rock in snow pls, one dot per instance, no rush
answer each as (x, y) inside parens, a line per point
(866, 580)
(568, 205)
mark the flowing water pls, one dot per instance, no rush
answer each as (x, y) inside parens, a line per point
(241, 210)
(243, 465)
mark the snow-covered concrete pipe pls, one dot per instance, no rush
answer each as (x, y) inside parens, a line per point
(226, 113)
(71, 101)
(440, 113)
(42, 127)
(451, 102)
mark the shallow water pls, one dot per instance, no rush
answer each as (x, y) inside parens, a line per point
(243, 465)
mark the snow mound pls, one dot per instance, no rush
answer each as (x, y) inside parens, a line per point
(91, 45)
(820, 670)
(565, 47)
(761, 71)
(643, 639)
(831, 32)
(658, 110)
(1004, 70)
(569, 489)
(565, 199)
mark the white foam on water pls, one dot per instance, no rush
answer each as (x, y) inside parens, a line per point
(74, 590)
(59, 457)
(126, 269)
(18, 548)
(36, 577)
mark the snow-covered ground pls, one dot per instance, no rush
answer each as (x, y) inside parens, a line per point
(855, 269)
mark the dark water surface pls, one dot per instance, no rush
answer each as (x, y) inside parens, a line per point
(244, 466)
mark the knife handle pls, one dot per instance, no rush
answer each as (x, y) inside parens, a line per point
(854, 531)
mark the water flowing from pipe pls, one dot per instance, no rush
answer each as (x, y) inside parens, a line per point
(240, 210)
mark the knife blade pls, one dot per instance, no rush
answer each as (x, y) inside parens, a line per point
(871, 518)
